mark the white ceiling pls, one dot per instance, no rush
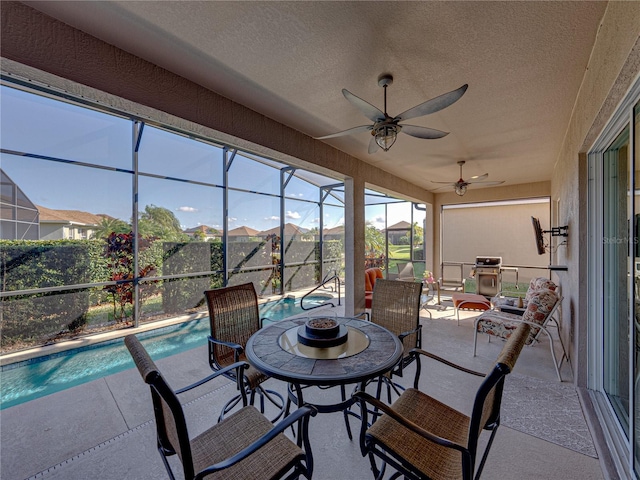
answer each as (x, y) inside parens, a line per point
(523, 60)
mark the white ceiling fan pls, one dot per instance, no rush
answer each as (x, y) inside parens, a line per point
(461, 185)
(385, 128)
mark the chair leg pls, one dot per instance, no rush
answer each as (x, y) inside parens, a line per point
(475, 339)
(486, 452)
(274, 397)
(343, 395)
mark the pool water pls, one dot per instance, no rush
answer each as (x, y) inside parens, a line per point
(42, 376)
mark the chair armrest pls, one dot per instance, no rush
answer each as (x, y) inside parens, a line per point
(240, 366)
(364, 397)
(417, 352)
(410, 332)
(300, 414)
(235, 346)
(514, 310)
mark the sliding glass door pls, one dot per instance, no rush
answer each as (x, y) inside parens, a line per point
(635, 338)
(614, 218)
(617, 275)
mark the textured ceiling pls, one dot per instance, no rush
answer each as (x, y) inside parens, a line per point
(523, 61)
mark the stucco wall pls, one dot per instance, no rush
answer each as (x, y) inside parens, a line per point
(512, 192)
(500, 230)
(614, 64)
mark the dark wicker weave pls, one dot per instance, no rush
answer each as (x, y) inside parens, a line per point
(396, 307)
(424, 438)
(233, 318)
(244, 445)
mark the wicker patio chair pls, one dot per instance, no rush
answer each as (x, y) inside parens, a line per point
(396, 307)
(423, 438)
(233, 318)
(244, 445)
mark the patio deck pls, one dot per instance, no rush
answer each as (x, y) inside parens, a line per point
(105, 429)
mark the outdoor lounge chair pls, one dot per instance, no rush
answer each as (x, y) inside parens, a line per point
(539, 314)
(233, 318)
(423, 438)
(396, 307)
(244, 445)
(405, 273)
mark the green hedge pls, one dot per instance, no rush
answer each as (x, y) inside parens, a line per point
(183, 294)
(28, 265)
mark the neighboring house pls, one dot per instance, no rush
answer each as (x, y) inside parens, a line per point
(290, 230)
(397, 231)
(335, 233)
(242, 234)
(67, 224)
(208, 233)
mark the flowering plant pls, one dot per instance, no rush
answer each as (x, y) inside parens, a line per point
(427, 276)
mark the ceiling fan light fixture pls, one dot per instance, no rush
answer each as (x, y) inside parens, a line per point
(386, 136)
(461, 190)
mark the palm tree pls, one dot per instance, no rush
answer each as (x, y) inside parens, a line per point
(373, 240)
(110, 225)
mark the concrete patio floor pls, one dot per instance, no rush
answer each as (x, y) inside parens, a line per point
(105, 429)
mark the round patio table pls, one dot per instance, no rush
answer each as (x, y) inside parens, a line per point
(370, 351)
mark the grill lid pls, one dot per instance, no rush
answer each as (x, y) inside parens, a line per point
(488, 261)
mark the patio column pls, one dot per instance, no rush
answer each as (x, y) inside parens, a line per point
(354, 246)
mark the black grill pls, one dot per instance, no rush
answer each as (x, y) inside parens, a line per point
(488, 275)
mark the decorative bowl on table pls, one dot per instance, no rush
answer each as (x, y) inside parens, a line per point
(322, 332)
(324, 327)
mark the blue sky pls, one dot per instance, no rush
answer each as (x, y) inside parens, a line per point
(43, 126)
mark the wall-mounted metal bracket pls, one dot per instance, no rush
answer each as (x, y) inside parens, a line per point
(559, 231)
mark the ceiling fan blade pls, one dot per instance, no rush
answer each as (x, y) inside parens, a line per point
(434, 105)
(362, 128)
(445, 183)
(444, 186)
(372, 113)
(488, 183)
(477, 178)
(373, 146)
(422, 132)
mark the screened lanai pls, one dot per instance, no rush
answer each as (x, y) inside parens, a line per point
(168, 214)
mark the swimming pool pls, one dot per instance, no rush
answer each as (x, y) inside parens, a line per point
(42, 376)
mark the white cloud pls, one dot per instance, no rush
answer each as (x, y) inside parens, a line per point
(292, 215)
(316, 220)
(274, 217)
(187, 209)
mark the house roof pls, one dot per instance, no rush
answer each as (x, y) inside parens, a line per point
(50, 215)
(400, 226)
(243, 231)
(289, 230)
(339, 230)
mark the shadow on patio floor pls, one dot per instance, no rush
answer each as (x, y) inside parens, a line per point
(104, 429)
